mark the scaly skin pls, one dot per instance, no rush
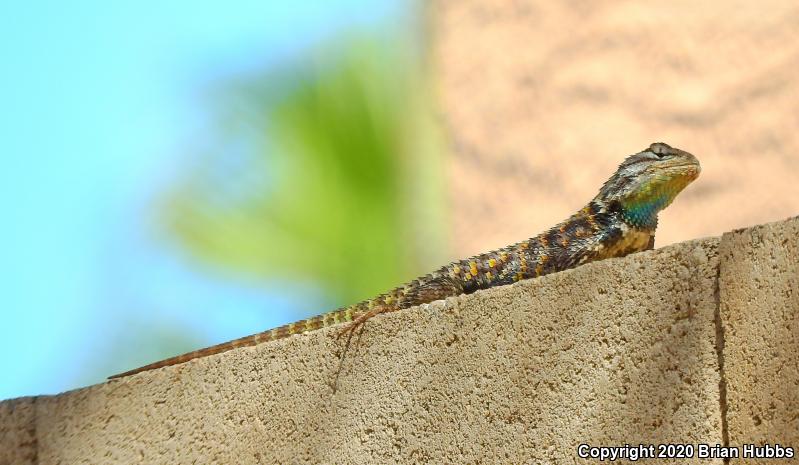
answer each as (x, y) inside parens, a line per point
(620, 220)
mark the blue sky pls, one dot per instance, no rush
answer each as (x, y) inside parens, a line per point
(100, 101)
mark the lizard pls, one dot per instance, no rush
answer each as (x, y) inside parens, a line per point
(621, 219)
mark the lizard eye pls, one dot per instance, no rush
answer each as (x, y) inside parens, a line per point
(659, 149)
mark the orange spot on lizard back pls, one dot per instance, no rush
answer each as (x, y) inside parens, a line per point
(591, 222)
(539, 268)
(456, 270)
(523, 263)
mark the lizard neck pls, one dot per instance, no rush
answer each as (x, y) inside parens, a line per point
(641, 216)
(623, 233)
(615, 213)
(644, 217)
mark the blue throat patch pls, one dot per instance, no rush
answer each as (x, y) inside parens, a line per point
(644, 214)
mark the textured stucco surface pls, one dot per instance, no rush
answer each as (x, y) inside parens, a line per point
(622, 351)
(18, 431)
(759, 288)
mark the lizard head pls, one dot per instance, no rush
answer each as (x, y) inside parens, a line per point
(648, 181)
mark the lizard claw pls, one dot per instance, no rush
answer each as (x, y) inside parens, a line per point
(350, 328)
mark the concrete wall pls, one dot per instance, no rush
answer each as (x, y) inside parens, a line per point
(692, 343)
(759, 286)
(18, 431)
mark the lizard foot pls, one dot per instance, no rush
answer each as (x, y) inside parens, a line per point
(350, 328)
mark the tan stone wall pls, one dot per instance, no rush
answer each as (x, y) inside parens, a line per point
(542, 100)
(759, 284)
(621, 351)
(18, 432)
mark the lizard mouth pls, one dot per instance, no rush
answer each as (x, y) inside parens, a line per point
(687, 169)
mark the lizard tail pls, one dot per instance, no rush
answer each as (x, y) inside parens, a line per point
(327, 319)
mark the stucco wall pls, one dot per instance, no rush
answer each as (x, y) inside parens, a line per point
(759, 284)
(621, 351)
(18, 431)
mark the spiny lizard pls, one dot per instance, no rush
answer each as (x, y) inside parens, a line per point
(620, 220)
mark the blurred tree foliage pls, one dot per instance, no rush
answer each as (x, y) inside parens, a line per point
(326, 172)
